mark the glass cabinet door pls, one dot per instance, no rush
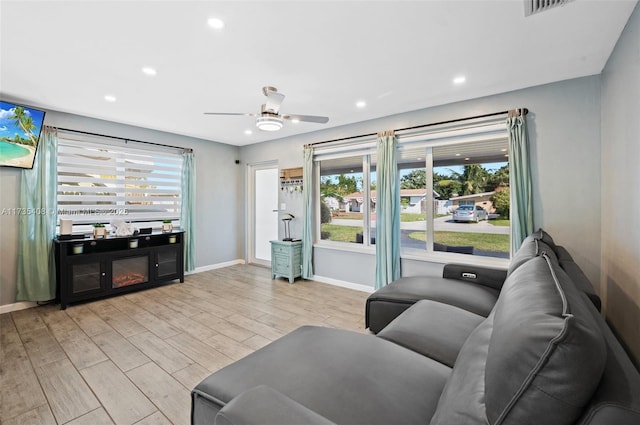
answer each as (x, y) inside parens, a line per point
(86, 277)
(167, 262)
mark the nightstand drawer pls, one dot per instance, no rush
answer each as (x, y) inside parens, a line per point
(277, 249)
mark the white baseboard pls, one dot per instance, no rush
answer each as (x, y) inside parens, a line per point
(216, 266)
(344, 284)
(8, 308)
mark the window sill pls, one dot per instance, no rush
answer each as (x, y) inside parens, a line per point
(345, 246)
(450, 257)
(433, 257)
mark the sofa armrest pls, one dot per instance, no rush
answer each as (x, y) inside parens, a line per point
(486, 276)
(263, 405)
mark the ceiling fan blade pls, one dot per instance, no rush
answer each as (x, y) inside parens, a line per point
(247, 114)
(274, 100)
(307, 118)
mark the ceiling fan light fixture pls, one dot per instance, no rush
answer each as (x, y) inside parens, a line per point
(269, 123)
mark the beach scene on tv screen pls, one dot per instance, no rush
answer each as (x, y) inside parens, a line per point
(20, 128)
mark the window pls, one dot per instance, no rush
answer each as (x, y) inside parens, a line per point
(439, 172)
(344, 202)
(464, 179)
(100, 182)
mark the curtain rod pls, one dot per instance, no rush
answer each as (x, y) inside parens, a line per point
(122, 138)
(522, 111)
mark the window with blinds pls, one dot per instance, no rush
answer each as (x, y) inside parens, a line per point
(100, 182)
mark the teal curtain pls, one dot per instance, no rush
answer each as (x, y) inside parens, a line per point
(36, 276)
(307, 223)
(188, 209)
(387, 211)
(520, 172)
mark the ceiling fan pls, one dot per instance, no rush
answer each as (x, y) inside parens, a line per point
(269, 118)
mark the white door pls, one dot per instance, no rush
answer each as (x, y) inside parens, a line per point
(263, 211)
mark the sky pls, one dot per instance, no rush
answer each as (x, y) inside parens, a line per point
(8, 127)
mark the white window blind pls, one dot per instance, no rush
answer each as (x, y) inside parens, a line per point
(100, 181)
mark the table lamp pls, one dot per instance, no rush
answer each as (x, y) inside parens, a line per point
(286, 219)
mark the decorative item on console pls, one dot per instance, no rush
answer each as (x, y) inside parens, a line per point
(167, 226)
(99, 231)
(66, 226)
(122, 228)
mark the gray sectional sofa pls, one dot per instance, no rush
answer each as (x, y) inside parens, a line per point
(531, 349)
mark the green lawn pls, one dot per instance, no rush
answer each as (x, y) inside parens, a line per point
(482, 241)
(500, 222)
(341, 233)
(409, 217)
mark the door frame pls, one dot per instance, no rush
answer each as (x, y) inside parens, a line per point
(250, 213)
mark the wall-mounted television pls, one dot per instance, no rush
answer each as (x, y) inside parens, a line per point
(20, 128)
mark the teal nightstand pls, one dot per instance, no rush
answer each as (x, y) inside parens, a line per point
(286, 259)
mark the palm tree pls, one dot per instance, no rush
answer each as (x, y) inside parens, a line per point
(28, 126)
(473, 179)
(21, 118)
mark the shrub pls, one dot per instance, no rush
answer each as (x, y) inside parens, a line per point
(501, 201)
(325, 213)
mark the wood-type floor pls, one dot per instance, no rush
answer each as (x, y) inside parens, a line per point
(133, 359)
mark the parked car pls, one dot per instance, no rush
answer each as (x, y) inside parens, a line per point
(470, 213)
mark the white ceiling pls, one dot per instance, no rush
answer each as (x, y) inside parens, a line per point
(323, 55)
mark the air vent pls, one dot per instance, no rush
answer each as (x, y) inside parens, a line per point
(532, 7)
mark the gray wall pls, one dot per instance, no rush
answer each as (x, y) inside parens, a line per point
(621, 186)
(218, 195)
(564, 128)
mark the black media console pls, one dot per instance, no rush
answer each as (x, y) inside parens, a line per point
(88, 269)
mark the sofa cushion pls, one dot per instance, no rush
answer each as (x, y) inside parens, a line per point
(389, 302)
(546, 238)
(531, 247)
(432, 329)
(462, 401)
(264, 405)
(577, 276)
(344, 376)
(546, 352)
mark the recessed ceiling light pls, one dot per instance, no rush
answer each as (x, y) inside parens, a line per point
(248, 132)
(110, 98)
(361, 104)
(503, 150)
(457, 154)
(216, 23)
(459, 79)
(466, 159)
(149, 71)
